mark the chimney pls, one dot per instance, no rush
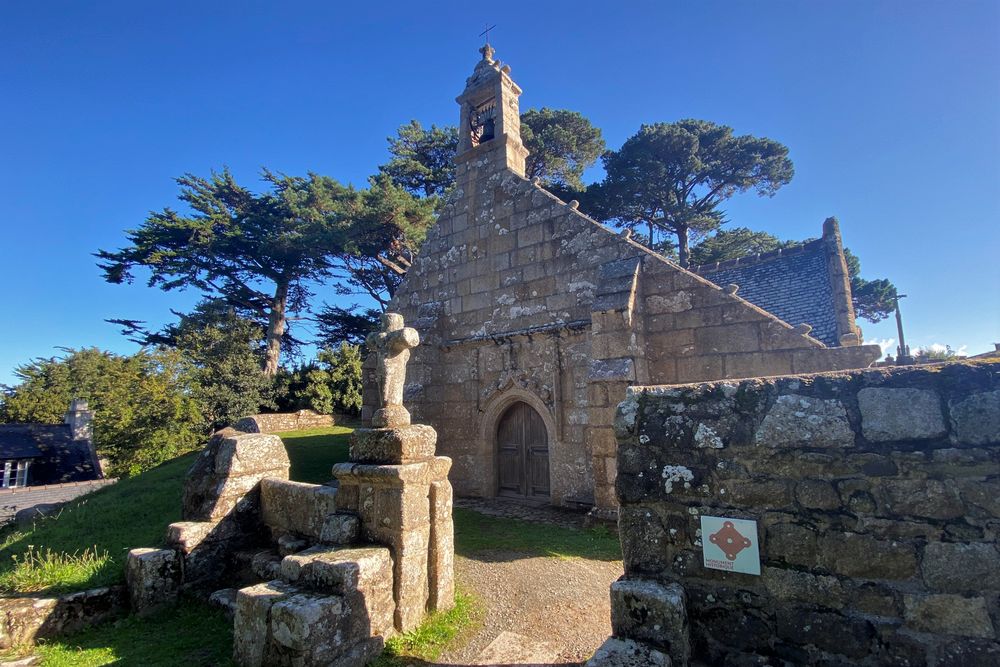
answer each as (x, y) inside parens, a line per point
(80, 419)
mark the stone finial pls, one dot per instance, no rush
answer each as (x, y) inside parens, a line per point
(731, 289)
(487, 52)
(574, 204)
(850, 340)
(392, 348)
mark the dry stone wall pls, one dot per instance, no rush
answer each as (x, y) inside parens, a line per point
(875, 495)
(279, 422)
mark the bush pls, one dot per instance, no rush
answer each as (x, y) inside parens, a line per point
(332, 383)
(144, 409)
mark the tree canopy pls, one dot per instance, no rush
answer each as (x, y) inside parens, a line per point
(736, 242)
(673, 177)
(874, 300)
(144, 411)
(422, 160)
(262, 253)
(561, 145)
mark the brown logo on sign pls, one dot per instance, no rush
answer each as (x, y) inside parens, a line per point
(730, 540)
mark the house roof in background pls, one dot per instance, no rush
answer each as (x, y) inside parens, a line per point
(56, 456)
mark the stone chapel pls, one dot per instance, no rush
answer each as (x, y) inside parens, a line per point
(535, 318)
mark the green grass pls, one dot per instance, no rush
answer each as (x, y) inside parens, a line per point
(313, 452)
(434, 635)
(132, 513)
(135, 512)
(476, 533)
(192, 634)
(35, 570)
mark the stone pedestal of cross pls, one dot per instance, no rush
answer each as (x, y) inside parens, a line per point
(400, 489)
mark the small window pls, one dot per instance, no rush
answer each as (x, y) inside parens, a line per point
(15, 474)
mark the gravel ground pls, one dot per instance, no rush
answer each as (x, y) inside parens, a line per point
(560, 601)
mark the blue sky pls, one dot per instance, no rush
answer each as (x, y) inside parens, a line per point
(891, 111)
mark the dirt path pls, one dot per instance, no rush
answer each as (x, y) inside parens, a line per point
(562, 602)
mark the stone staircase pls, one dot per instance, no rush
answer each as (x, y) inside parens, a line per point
(336, 595)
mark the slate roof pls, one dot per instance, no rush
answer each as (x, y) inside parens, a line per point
(56, 456)
(792, 284)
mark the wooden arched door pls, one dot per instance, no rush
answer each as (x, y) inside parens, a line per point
(522, 454)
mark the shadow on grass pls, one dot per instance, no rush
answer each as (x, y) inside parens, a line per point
(495, 539)
(313, 452)
(191, 634)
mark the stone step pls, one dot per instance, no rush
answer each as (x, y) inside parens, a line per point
(280, 623)
(510, 648)
(337, 569)
(266, 565)
(224, 599)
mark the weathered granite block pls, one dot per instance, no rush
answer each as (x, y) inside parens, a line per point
(949, 614)
(153, 577)
(654, 613)
(225, 476)
(340, 528)
(627, 653)
(298, 508)
(900, 414)
(976, 419)
(252, 622)
(406, 444)
(961, 568)
(803, 421)
(26, 619)
(359, 575)
(441, 578)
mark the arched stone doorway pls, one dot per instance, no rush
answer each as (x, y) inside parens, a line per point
(522, 454)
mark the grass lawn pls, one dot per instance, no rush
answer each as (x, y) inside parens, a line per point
(58, 555)
(314, 451)
(476, 533)
(191, 634)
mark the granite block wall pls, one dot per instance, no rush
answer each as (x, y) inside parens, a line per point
(875, 494)
(279, 422)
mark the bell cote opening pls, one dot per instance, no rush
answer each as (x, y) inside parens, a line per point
(490, 119)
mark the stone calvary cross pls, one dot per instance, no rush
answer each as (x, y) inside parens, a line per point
(392, 347)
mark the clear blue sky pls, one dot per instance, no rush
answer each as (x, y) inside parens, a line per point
(891, 111)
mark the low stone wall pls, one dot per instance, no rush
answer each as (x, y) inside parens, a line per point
(26, 619)
(13, 501)
(280, 422)
(876, 497)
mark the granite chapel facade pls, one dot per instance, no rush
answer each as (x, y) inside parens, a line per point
(535, 318)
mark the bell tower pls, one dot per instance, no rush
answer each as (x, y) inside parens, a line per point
(490, 120)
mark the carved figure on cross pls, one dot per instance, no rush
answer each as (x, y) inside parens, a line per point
(392, 347)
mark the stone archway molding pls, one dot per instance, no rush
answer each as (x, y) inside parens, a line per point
(490, 415)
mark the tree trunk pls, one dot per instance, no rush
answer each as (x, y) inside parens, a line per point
(275, 329)
(651, 243)
(682, 246)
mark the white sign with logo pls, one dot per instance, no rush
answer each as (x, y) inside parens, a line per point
(730, 544)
